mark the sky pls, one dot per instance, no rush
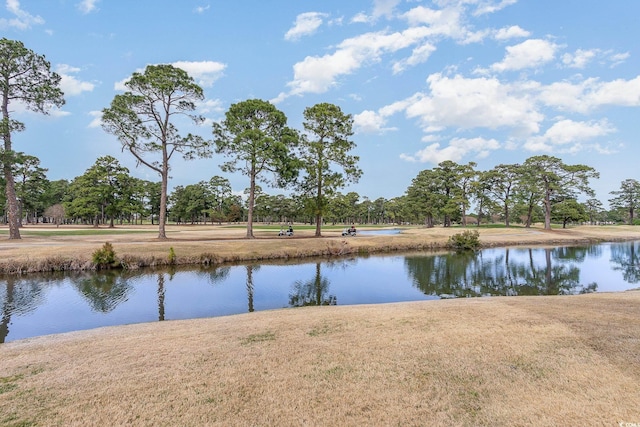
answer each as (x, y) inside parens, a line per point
(484, 81)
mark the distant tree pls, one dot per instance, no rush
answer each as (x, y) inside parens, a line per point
(569, 210)
(325, 149)
(593, 208)
(557, 181)
(143, 121)
(56, 213)
(467, 178)
(56, 192)
(103, 191)
(628, 197)
(189, 203)
(31, 183)
(502, 181)
(424, 197)
(220, 190)
(256, 138)
(481, 193)
(25, 77)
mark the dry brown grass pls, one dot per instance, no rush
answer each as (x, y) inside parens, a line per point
(504, 361)
(197, 244)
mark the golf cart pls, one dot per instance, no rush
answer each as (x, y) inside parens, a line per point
(351, 231)
(287, 232)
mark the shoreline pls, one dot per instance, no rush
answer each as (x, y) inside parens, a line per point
(137, 247)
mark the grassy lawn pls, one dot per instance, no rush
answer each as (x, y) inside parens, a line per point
(499, 361)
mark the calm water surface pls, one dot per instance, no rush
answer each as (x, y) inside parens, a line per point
(35, 305)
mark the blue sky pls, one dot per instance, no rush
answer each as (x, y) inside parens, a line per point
(488, 81)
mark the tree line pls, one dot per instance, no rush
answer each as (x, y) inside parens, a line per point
(107, 194)
(255, 140)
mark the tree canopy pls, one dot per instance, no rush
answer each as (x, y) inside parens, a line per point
(143, 121)
(25, 77)
(255, 137)
(325, 147)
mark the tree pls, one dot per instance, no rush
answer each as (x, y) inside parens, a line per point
(569, 210)
(326, 145)
(103, 191)
(220, 189)
(256, 138)
(424, 197)
(190, 202)
(558, 181)
(30, 186)
(502, 180)
(26, 78)
(593, 209)
(628, 197)
(55, 212)
(142, 120)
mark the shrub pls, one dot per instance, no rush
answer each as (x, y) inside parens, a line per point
(172, 256)
(466, 241)
(105, 257)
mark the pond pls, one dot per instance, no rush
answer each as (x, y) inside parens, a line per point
(33, 305)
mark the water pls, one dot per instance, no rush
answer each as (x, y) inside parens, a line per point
(35, 305)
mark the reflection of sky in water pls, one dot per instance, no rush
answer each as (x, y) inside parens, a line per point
(63, 305)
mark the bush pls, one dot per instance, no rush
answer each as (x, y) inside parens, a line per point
(105, 257)
(172, 256)
(466, 241)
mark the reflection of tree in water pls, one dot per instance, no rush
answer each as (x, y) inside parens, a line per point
(214, 275)
(626, 259)
(250, 269)
(472, 274)
(312, 292)
(103, 290)
(18, 297)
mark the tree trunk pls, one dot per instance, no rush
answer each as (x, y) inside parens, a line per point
(547, 211)
(12, 202)
(318, 203)
(162, 217)
(252, 190)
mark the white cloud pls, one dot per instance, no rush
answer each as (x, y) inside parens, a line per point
(618, 58)
(419, 55)
(306, 24)
(96, 121)
(531, 53)
(590, 94)
(457, 149)
(490, 6)
(510, 33)
(447, 22)
(205, 73)
(580, 58)
(201, 9)
(381, 8)
(69, 84)
(476, 103)
(567, 131)
(370, 122)
(318, 74)
(88, 6)
(23, 20)
(569, 136)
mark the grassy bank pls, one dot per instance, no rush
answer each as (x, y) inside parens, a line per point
(504, 361)
(53, 249)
